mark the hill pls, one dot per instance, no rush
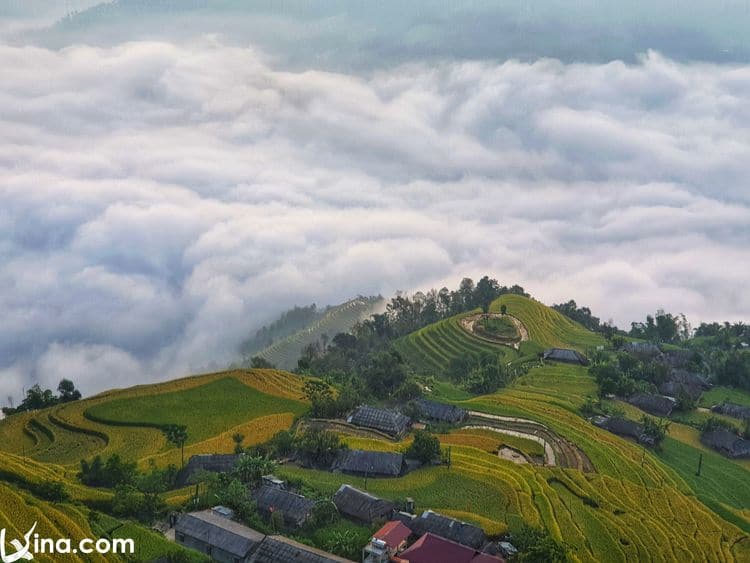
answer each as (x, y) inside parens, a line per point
(128, 421)
(429, 350)
(341, 318)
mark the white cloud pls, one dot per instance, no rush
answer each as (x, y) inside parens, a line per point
(160, 200)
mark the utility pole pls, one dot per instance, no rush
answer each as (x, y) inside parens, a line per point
(700, 465)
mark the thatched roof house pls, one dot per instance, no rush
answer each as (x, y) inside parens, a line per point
(732, 409)
(566, 356)
(214, 463)
(657, 405)
(216, 536)
(642, 349)
(295, 508)
(360, 505)
(386, 420)
(450, 528)
(373, 464)
(624, 427)
(432, 410)
(727, 443)
(278, 549)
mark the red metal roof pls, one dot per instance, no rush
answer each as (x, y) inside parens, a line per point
(434, 549)
(393, 533)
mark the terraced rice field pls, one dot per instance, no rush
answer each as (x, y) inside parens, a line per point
(547, 327)
(431, 349)
(285, 353)
(600, 518)
(65, 434)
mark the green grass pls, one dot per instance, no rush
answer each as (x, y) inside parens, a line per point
(207, 410)
(724, 394)
(498, 326)
(150, 545)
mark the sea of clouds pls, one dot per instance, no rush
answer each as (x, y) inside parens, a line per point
(162, 199)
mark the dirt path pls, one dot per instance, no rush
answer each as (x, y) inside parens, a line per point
(467, 323)
(549, 453)
(558, 451)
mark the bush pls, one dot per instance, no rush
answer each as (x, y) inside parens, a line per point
(319, 447)
(537, 546)
(425, 447)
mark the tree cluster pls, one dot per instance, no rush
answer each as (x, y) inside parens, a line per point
(535, 545)
(425, 447)
(663, 328)
(624, 375)
(38, 398)
(478, 373)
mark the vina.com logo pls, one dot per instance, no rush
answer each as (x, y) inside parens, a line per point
(33, 544)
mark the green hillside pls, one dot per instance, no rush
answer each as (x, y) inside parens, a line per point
(429, 350)
(284, 353)
(547, 327)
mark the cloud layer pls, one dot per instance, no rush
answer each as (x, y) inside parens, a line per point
(161, 200)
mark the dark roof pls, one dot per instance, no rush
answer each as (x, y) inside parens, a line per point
(364, 462)
(278, 549)
(689, 378)
(565, 355)
(642, 348)
(658, 405)
(360, 505)
(732, 409)
(623, 427)
(215, 463)
(440, 411)
(219, 532)
(450, 528)
(431, 548)
(677, 388)
(727, 443)
(295, 508)
(386, 420)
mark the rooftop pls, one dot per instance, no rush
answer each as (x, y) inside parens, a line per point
(393, 533)
(386, 420)
(365, 462)
(219, 532)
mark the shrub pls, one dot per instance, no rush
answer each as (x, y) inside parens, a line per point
(425, 447)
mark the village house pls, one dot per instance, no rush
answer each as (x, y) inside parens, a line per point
(440, 412)
(642, 349)
(369, 463)
(220, 538)
(226, 541)
(361, 506)
(656, 405)
(388, 541)
(733, 410)
(566, 356)
(435, 549)
(295, 509)
(280, 549)
(727, 443)
(449, 528)
(389, 421)
(624, 427)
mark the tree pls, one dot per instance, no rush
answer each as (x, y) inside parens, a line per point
(503, 309)
(250, 469)
(537, 546)
(320, 396)
(319, 446)
(238, 438)
(486, 292)
(384, 372)
(282, 443)
(425, 447)
(259, 362)
(68, 391)
(177, 435)
(655, 429)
